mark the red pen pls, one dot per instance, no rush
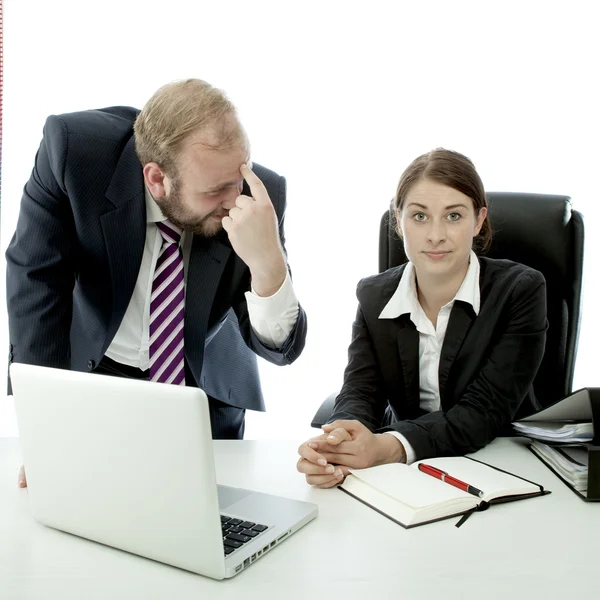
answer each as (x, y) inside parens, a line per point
(461, 485)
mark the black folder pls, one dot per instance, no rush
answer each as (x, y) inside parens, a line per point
(582, 405)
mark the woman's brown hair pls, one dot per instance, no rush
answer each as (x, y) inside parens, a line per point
(453, 170)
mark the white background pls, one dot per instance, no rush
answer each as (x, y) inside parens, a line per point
(339, 97)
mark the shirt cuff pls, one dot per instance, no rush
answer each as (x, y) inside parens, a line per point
(410, 453)
(273, 317)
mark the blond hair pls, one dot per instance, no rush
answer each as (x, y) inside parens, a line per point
(179, 109)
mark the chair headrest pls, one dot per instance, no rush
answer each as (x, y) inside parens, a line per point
(532, 229)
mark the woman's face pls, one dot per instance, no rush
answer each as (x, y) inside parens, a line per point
(438, 224)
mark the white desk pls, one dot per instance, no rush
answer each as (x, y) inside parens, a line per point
(542, 548)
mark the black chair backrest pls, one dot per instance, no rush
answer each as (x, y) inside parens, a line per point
(543, 232)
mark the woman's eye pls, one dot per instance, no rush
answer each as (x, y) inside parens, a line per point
(419, 217)
(454, 216)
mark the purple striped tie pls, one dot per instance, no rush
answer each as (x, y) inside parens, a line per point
(167, 310)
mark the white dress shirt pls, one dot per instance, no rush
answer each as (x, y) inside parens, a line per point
(431, 339)
(271, 318)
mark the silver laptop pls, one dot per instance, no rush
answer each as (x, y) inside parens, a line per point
(129, 463)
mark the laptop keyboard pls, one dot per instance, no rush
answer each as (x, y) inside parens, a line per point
(237, 532)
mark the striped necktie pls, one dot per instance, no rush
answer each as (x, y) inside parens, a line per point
(167, 310)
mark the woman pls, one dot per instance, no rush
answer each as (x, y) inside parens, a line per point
(444, 348)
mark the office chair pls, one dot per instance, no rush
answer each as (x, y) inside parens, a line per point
(543, 232)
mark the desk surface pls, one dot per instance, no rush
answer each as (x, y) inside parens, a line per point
(542, 548)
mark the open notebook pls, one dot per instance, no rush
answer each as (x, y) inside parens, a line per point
(410, 497)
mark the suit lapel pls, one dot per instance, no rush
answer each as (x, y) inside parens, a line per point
(408, 349)
(459, 323)
(398, 345)
(124, 230)
(208, 258)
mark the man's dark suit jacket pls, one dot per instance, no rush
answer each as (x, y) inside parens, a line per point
(74, 260)
(487, 365)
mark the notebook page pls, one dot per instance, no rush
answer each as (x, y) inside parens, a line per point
(491, 482)
(411, 487)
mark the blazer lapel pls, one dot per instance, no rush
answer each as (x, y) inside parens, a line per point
(459, 323)
(408, 348)
(208, 258)
(124, 230)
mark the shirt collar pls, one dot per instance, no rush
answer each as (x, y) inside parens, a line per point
(153, 212)
(469, 290)
(405, 300)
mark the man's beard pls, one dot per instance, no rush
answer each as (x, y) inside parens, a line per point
(173, 208)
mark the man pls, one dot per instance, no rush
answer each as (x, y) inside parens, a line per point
(141, 252)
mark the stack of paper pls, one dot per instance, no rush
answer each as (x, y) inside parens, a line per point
(564, 433)
(571, 463)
